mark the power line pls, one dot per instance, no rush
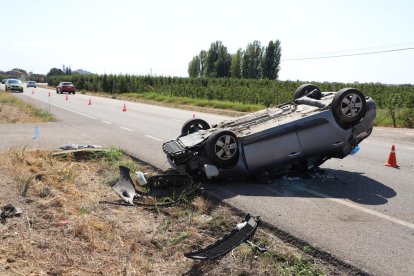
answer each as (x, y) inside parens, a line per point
(350, 55)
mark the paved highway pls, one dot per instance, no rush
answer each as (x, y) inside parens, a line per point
(359, 210)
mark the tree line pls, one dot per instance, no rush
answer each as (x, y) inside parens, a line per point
(254, 62)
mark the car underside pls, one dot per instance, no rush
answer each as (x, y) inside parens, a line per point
(298, 135)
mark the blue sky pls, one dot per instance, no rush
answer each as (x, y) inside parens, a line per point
(139, 37)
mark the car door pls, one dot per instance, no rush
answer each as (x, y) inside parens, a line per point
(318, 135)
(271, 148)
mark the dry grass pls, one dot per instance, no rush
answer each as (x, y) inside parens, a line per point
(65, 231)
(14, 110)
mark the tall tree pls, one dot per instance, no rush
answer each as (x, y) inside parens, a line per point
(218, 61)
(55, 72)
(235, 70)
(203, 62)
(271, 60)
(194, 67)
(252, 61)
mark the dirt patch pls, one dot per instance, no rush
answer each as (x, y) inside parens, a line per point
(13, 110)
(64, 230)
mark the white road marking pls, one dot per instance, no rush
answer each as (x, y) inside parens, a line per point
(362, 209)
(67, 109)
(154, 138)
(351, 205)
(127, 129)
(106, 122)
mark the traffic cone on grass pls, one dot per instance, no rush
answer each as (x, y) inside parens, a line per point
(392, 159)
(124, 109)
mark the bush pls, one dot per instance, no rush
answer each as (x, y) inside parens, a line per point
(406, 116)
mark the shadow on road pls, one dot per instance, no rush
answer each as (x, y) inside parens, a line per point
(354, 186)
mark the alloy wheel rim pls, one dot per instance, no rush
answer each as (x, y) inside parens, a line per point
(225, 147)
(351, 105)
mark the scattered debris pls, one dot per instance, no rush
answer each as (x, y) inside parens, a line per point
(241, 233)
(159, 190)
(79, 146)
(9, 211)
(78, 153)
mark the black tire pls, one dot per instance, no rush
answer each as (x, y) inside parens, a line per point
(194, 125)
(222, 148)
(305, 89)
(348, 107)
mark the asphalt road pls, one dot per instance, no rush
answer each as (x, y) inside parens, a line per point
(359, 210)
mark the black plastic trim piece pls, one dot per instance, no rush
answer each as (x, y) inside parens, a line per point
(223, 246)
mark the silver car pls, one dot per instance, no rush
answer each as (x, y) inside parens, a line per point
(14, 85)
(301, 134)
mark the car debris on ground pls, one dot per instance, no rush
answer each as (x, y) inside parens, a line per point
(157, 190)
(241, 233)
(9, 211)
(78, 150)
(79, 146)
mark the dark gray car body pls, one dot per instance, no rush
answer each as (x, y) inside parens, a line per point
(304, 132)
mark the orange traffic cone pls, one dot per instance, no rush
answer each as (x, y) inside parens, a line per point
(392, 159)
(48, 94)
(193, 115)
(33, 91)
(90, 102)
(67, 98)
(124, 109)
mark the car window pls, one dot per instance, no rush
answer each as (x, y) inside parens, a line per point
(14, 81)
(66, 83)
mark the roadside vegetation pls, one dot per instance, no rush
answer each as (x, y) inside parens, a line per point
(14, 110)
(395, 103)
(64, 230)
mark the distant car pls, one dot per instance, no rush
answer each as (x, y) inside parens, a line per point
(297, 136)
(14, 85)
(31, 84)
(65, 87)
(4, 81)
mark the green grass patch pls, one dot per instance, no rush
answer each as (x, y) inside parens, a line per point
(227, 105)
(404, 117)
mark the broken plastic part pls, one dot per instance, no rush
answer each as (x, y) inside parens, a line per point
(262, 249)
(141, 178)
(228, 242)
(9, 211)
(211, 171)
(124, 187)
(165, 186)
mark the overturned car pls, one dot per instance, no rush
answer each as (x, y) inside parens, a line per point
(302, 134)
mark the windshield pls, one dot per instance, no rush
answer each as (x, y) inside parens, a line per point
(14, 81)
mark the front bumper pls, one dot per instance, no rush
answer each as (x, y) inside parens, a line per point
(18, 88)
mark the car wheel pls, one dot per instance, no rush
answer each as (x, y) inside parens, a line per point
(194, 125)
(348, 107)
(222, 148)
(307, 88)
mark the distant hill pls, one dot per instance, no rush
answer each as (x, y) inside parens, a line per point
(81, 72)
